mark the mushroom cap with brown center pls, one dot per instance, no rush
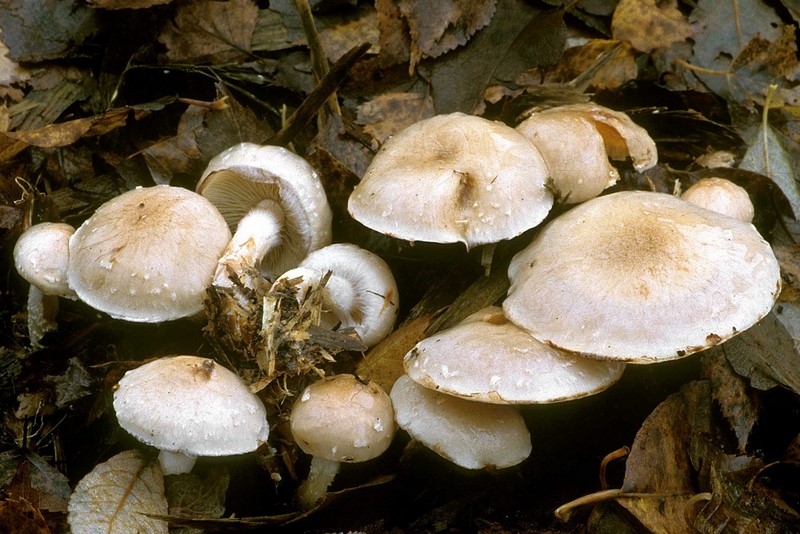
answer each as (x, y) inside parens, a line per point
(489, 359)
(148, 255)
(454, 178)
(641, 277)
(190, 405)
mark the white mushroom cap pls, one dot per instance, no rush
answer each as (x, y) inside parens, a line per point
(576, 141)
(41, 256)
(246, 175)
(471, 434)
(722, 196)
(454, 178)
(489, 359)
(341, 419)
(641, 277)
(148, 255)
(361, 292)
(191, 406)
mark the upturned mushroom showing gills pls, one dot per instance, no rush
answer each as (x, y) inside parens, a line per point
(275, 202)
(577, 141)
(339, 419)
(487, 358)
(148, 255)
(41, 257)
(641, 277)
(454, 178)
(187, 406)
(361, 292)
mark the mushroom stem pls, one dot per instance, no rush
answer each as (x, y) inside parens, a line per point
(320, 476)
(42, 311)
(256, 234)
(176, 463)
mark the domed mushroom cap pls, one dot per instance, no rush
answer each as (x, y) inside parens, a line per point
(361, 292)
(190, 405)
(722, 196)
(342, 419)
(41, 256)
(246, 174)
(641, 277)
(577, 140)
(489, 359)
(148, 255)
(454, 178)
(471, 434)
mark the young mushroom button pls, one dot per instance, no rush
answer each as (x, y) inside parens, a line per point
(148, 255)
(275, 201)
(454, 178)
(641, 277)
(722, 196)
(188, 406)
(339, 419)
(361, 292)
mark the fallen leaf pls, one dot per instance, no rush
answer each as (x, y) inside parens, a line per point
(438, 27)
(41, 30)
(196, 496)
(387, 114)
(576, 60)
(210, 31)
(18, 515)
(126, 4)
(765, 354)
(732, 395)
(518, 38)
(73, 384)
(117, 496)
(649, 24)
(39, 483)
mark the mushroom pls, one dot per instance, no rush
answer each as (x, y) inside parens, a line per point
(41, 256)
(360, 293)
(473, 435)
(148, 255)
(187, 406)
(722, 196)
(339, 419)
(275, 201)
(641, 277)
(487, 358)
(454, 178)
(576, 141)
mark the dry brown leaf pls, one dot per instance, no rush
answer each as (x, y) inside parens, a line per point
(210, 31)
(126, 4)
(386, 114)
(788, 255)
(649, 24)
(40, 484)
(384, 363)
(438, 27)
(18, 515)
(118, 495)
(618, 70)
(393, 32)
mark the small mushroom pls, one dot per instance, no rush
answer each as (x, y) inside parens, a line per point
(722, 196)
(41, 257)
(148, 255)
(275, 202)
(473, 435)
(641, 277)
(360, 293)
(577, 140)
(339, 419)
(454, 178)
(487, 358)
(188, 406)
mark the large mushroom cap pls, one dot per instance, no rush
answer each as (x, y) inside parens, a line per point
(246, 174)
(471, 434)
(641, 277)
(148, 255)
(489, 359)
(454, 178)
(190, 405)
(341, 419)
